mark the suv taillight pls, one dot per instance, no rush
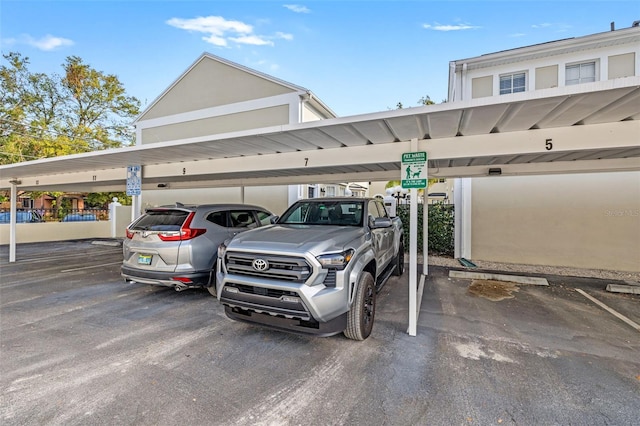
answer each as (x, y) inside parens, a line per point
(128, 233)
(185, 233)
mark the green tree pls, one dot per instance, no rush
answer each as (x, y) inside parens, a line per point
(50, 115)
(425, 100)
(102, 199)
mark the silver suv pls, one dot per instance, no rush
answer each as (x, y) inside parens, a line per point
(176, 246)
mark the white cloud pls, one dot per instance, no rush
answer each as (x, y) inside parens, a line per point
(517, 35)
(220, 31)
(215, 40)
(284, 36)
(457, 27)
(556, 27)
(297, 8)
(46, 43)
(215, 25)
(252, 40)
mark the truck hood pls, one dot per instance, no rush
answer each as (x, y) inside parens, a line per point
(314, 239)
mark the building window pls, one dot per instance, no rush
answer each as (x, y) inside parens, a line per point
(580, 73)
(330, 191)
(513, 83)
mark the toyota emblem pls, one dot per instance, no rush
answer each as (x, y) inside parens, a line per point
(260, 265)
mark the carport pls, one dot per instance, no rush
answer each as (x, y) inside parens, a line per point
(587, 128)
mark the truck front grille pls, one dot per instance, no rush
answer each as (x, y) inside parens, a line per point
(283, 268)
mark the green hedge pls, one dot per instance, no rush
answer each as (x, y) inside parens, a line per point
(441, 225)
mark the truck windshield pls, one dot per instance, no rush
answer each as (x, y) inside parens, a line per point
(341, 213)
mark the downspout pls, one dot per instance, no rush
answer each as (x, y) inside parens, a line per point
(452, 82)
(463, 77)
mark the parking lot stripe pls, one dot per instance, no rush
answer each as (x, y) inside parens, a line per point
(92, 266)
(608, 309)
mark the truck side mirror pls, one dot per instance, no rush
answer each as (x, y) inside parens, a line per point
(379, 222)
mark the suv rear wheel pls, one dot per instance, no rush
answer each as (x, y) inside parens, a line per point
(360, 317)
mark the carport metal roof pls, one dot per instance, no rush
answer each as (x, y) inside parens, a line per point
(589, 127)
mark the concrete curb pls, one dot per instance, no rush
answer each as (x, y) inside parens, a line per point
(619, 288)
(499, 277)
(106, 243)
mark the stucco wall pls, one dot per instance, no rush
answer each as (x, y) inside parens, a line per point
(273, 198)
(246, 120)
(585, 221)
(123, 219)
(56, 231)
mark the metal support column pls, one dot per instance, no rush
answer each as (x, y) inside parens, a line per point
(13, 217)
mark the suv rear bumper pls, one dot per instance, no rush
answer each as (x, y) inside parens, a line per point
(168, 279)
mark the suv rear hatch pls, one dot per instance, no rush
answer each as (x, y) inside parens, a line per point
(156, 239)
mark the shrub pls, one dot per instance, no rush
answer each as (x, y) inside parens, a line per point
(441, 226)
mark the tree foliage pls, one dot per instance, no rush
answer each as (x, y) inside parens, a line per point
(425, 100)
(44, 115)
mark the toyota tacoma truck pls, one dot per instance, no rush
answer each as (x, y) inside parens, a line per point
(316, 269)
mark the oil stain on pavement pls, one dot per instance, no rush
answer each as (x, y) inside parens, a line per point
(493, 290)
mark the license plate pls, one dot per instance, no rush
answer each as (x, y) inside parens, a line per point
(144, 259)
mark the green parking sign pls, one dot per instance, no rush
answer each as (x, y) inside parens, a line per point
(413, 170)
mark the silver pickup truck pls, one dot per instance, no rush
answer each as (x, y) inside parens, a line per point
(316, 270)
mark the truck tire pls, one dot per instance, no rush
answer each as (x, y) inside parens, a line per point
(399, 261)
(361, 315)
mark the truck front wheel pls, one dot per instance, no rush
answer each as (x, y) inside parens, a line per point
(360, 317)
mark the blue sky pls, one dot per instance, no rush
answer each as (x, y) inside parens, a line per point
(357, 56)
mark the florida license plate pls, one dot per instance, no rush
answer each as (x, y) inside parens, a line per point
(144, 259)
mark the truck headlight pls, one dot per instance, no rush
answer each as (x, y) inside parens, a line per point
(335, 260)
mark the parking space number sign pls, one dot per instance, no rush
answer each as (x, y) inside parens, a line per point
(134, 180)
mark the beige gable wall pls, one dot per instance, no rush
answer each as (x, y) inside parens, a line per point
(587, 220)
(255, 119)
(209, 84)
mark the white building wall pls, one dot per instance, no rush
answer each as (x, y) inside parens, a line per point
(584, 220)
(460, 81)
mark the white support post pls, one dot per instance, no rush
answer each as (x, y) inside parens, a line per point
(413, 255)
(462, 218)
(112, 216)
(136, 207)
(425, 225)
(413, 263)
(13, 217)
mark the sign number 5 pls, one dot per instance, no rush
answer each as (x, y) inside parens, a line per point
(548, 145)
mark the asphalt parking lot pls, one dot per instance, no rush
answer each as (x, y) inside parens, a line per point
(79, 346)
